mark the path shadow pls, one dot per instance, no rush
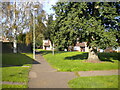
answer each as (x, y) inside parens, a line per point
(37, 52)
(18, 59)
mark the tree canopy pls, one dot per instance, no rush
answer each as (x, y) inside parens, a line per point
(17, 18)
(91, 22)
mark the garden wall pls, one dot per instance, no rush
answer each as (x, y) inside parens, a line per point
(7, 47)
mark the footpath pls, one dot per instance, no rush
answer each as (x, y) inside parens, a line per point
(42, 75)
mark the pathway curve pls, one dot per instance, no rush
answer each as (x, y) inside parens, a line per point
(42, 75)
(98, 73)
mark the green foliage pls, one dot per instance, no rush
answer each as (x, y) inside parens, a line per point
(39, 31)
(21, 38)
(39, 42)
(92, 22)
(94, 82)
(74, 61)
(29, 37)
(50, 32)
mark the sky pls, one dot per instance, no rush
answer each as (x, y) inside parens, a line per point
(47, 6)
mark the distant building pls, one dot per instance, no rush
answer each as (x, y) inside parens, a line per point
(7, 45)
(47, 45)
(110, 49)
(81, 47)
(118, 49)
(4, 39)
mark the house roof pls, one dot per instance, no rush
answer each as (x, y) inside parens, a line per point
(4, 39)
(46, 44)
(80, 44)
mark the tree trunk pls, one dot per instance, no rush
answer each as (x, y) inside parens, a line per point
(93, 56)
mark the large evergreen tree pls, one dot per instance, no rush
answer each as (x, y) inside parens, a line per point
(92, 22)
(50, 32)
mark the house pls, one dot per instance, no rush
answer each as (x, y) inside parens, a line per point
(118, 49)
(7, 45)
(81, 47)
(4, 39)
(110, 49)
(47, 45)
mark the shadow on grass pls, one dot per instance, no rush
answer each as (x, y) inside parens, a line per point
(43, 52)
(109, 56)
(103, 57)
(82, 56)
(18, 59)
(48, 52)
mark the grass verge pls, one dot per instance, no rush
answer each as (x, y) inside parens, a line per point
(74, 61)
(94, 82)
(15, 68)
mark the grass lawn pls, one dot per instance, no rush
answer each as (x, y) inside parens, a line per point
(18, 59)
(16, 68)
(73, 61)
(94, 82)
(15, 74)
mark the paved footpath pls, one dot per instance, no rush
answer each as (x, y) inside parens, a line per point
(42, 75)
(99, 73)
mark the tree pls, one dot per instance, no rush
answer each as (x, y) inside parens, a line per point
(87, 21)
(65, 30)
(9, 25)
(21, 38)
(28, 39)
(50, 31)
(18, 17)
(40, 28)
(14, 21)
